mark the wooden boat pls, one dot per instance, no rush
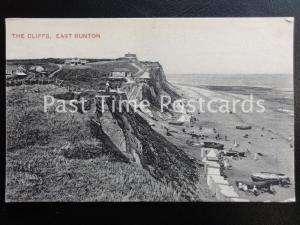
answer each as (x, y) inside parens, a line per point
(196, 144)
(234, 153)
(177, 123)
(193, 143)
(210, 144)
(243, 127)
(274, 178)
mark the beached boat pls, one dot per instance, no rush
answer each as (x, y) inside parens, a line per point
(275, 178)
(210, 144)
(196, 144)
(177, 123)
(243, 127)
(193, 143)
(234, 153)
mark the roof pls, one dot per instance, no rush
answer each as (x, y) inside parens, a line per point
(212, 155)
(184, 118)
(12, 69)
(21, 74)
(218, 179)
(130, 55)
(37, 68)
(212, 164)
(145, 75)
(121, 70)
(213, 171)
(21, 68)
(75, 60)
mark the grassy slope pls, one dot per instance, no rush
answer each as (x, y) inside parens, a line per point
(35, 61)
(107, 67)
(88, 76)
(40, 166)
(84, 77)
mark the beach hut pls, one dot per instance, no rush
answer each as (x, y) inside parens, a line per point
(213, 181)
(213, 171)
(225, 193)
(212, 155)
(211, 164)
(204, 152)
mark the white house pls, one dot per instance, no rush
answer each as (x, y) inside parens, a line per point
(14, 70)
(120, 72)
(130, 57)
(38, 69)
(20, 71)
(75, 62)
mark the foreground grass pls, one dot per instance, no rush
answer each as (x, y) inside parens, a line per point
(43, 174)
(53, 157)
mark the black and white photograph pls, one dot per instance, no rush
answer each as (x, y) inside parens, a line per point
(150, 110)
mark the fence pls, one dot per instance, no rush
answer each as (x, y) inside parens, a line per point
(40, 81)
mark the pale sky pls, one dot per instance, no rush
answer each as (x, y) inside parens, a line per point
(181, 45)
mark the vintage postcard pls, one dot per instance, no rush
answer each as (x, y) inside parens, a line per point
(152, 109)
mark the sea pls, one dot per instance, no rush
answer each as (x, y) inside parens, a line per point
(275, 88)
(279, 81)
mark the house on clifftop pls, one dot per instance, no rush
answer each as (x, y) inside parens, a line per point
(15, 71)
(129, 57)
(120, 72)
(75, 62)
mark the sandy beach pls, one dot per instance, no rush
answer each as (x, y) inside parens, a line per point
(272, 136)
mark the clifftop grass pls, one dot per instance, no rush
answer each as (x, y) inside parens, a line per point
(53, 157)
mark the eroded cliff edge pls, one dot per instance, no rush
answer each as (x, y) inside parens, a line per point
(129, 134)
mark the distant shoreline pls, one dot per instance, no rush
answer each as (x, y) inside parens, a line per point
(273, 96)
(230, 87)
(270, 81)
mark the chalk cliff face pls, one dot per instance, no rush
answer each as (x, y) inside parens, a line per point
(152, 88)
(128, 134)
(160, 82)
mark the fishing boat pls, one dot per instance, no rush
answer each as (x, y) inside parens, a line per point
(243, 127)
(177, 123)
(215, 145)
(275, 178)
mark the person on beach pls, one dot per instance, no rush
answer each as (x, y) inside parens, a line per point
(107, 87)
(255, 191)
